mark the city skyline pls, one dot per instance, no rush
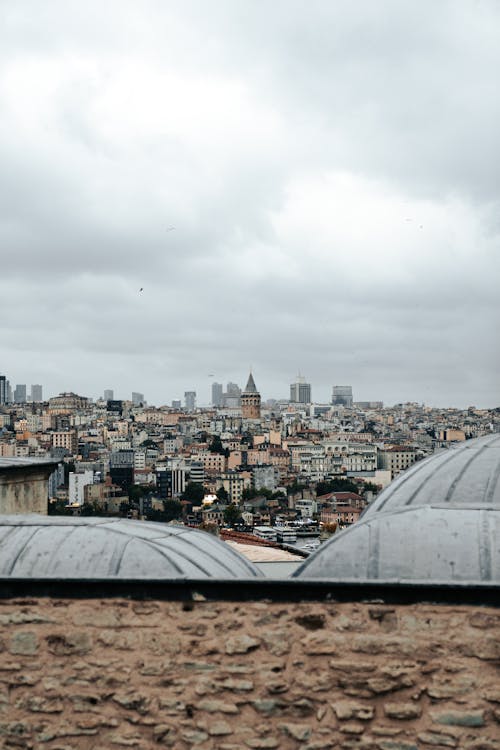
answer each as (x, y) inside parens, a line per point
(203, 395)
(251, 183)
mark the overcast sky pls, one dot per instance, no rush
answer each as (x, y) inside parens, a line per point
(332, 171)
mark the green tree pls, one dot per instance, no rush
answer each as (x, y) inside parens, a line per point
(125, 509)
(172, 509)
(336, 485)
(58, 508)
(222, 494)
(216, 445)
(232, 515)
(194, 492)
(90, 509)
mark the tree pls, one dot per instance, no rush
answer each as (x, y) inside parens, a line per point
(90, 509)
(232, 515)
(125, 509)
(222, 494)
(59, 508)
(172, 509)
(194, 492)
(216, 445)
(371, 487)
(336, 485)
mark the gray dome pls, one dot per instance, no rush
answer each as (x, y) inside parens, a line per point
(34, 546)
(467, 474)
(439, 522)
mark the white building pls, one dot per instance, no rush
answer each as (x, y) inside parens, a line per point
(76, 484)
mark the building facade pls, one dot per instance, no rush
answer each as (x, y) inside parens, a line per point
(300, 391)
(342, 395)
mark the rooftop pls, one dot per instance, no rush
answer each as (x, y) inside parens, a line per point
(439, 522)
(70, 547)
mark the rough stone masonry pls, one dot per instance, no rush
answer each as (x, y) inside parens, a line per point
(144, 674)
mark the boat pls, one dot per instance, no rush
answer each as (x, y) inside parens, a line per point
(265, 532)
(286, 534)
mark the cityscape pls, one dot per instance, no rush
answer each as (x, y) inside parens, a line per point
(249, 375)
(240, 463)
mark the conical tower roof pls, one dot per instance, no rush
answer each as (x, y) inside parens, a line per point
(250, 386)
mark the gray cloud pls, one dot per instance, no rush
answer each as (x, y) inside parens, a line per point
(329, 169)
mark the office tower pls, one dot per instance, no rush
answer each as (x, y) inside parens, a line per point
(176, 404)
(3, 389)
(250, 400)
(190, 400)
(137, 398)
(300, 391)
(216, 394)
(232, 397)
(20, 394)
(109, 395)
(342, 395)
(36, 393)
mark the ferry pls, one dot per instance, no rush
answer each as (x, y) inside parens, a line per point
(265, 532)
(286, 534)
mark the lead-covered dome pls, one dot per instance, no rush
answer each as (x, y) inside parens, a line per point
(73, 547)
(439, 522)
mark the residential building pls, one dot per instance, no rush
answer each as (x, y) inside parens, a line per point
(76, 484)
(109, 395)
(67, 439)
(397, 458)
(137, 398)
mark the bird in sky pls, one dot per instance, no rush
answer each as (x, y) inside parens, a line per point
(170, 229)
(141, 289)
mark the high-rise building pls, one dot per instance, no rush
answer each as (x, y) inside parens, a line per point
(217, 394)
(177, 404)
(20, 394)
(109, 395)
(190, 400)
(232, 397)
(250, 400)
(3, 389)
(342, 395)
(36, 393)
(300, 391)
(137, 398)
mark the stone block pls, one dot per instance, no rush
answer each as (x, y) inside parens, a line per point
(345, 710)
(241, 644)
(300, 732)
(262, 743)
(435, 738)
(459, 718)
(219, 729)
(24, 642)
(403, 711)
(61, 644)
(214, 706)
(320, 643)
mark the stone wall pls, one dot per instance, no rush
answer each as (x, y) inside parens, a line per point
(25, 490)
(142, 674)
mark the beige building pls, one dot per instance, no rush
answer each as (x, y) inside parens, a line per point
(66, 439)
(396, 459)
